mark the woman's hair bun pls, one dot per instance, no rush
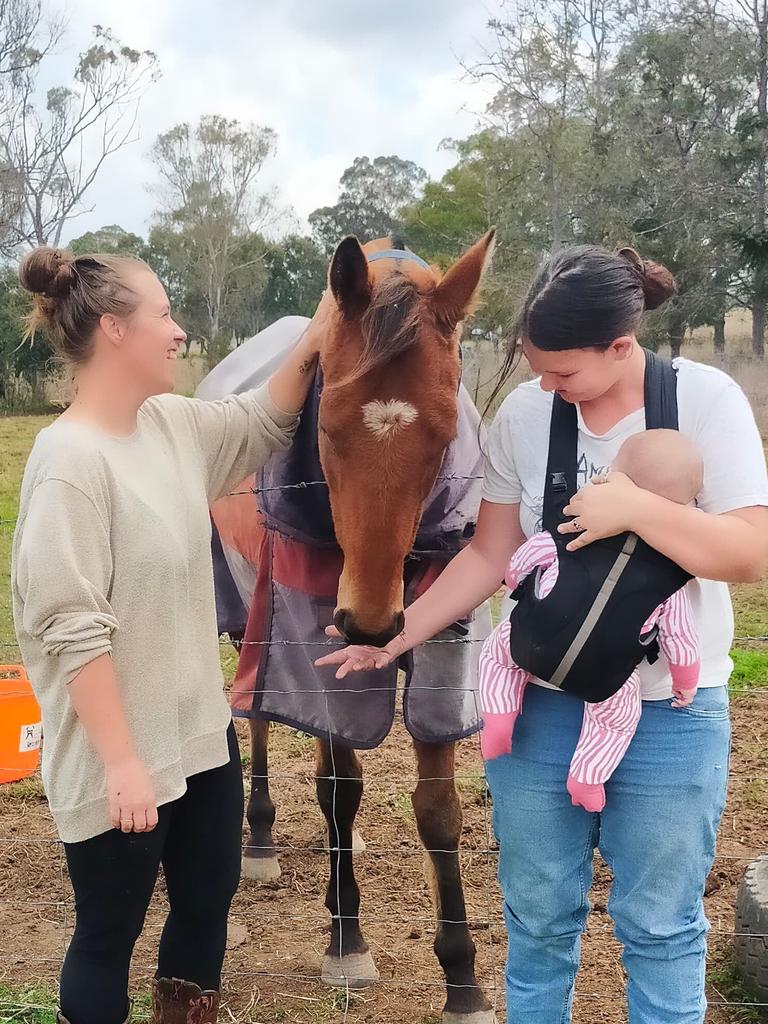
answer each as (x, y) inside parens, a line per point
(657, 282)
(49, 272)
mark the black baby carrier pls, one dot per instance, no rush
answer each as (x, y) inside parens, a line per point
(585, 635)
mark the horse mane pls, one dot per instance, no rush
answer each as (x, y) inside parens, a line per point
(390, 324)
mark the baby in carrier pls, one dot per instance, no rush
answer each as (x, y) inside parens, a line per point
(666, 463)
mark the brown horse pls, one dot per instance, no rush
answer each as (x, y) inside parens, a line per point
(388, 411)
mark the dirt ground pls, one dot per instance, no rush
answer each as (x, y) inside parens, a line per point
(279, 932)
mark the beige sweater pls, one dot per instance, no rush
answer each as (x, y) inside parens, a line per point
(112, 555)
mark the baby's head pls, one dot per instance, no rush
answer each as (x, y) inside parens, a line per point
(664, 462)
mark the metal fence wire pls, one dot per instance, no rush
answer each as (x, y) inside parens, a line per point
(486, 925)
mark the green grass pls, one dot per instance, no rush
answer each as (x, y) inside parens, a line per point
(298, 744)
(473, 789)
(401, 802)
(725, 979)
(750, 669)
(750, 605)
(34, 1004)
(27, 791)
(16, 436)
(27, 1004)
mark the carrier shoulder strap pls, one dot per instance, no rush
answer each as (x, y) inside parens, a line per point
(660, 393)
(560, 484)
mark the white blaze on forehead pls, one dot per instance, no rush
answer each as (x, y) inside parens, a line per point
(385, 418)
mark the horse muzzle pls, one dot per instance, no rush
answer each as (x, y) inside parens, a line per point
(354, 633)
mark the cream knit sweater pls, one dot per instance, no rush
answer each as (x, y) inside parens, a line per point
(112, 555)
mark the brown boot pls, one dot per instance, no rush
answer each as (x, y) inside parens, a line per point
(183, 1002)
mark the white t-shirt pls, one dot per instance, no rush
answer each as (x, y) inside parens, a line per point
(714, 413)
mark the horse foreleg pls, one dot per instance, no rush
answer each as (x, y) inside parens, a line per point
(260, 863)
(438, 816)
(347, 962)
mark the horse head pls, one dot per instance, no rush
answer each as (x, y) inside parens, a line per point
(391, 370)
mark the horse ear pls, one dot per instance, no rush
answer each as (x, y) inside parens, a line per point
(455, 295)
(349, 279)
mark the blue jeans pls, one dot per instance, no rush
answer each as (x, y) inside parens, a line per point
(657, 834)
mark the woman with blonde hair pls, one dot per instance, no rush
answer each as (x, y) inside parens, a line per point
(114, 609)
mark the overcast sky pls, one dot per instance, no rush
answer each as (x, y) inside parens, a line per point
(335, 79)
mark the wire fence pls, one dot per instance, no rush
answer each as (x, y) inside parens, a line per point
(483, 918)
(480, 852)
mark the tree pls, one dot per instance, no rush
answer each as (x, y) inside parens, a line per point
(549, 65)
(43, 148)
(752, 15)
(23, 365)
(451, 214)
(110, 239)
(296, 276)
(372, 197)
(210, 207)
(24, 41)
(25, 35)
(675, 98)
(490, 185)
(614, 129)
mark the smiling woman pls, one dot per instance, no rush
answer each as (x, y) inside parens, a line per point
(114, 610)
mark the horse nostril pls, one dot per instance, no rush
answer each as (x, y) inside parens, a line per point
(344, 621)
(341, 622)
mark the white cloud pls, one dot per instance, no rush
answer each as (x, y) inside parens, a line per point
(335, 80)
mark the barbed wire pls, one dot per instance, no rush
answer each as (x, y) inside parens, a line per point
(320, 920)
(301, 485)
(332, 644)
(487, 851)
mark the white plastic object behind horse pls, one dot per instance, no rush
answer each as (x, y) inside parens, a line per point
(253, 363)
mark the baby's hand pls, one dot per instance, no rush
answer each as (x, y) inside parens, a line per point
(496, 735)
(682, 697)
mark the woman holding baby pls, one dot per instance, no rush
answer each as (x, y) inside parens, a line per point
(664, 799)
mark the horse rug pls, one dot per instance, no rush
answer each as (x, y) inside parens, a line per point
(277, 567)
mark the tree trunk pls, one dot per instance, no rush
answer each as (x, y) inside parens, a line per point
(758, 303)
(676, 337)
(758, 329)
(555, 215)
(720, 337)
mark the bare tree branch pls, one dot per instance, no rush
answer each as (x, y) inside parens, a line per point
(56, 148)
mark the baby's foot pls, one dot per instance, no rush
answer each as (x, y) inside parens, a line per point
(589, 795)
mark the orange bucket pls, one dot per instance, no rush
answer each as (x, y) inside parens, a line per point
(20, 727)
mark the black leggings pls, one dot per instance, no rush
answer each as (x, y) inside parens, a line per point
(197, 840)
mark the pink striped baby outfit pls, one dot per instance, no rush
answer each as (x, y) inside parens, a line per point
(609, 726)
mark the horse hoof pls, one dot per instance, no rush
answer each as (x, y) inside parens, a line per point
(261, 869)
(355, 970)
(478, 1017)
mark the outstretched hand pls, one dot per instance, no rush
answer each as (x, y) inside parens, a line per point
(355, 657)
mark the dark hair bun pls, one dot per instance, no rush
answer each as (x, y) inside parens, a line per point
(657, 282)
(49, 272)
